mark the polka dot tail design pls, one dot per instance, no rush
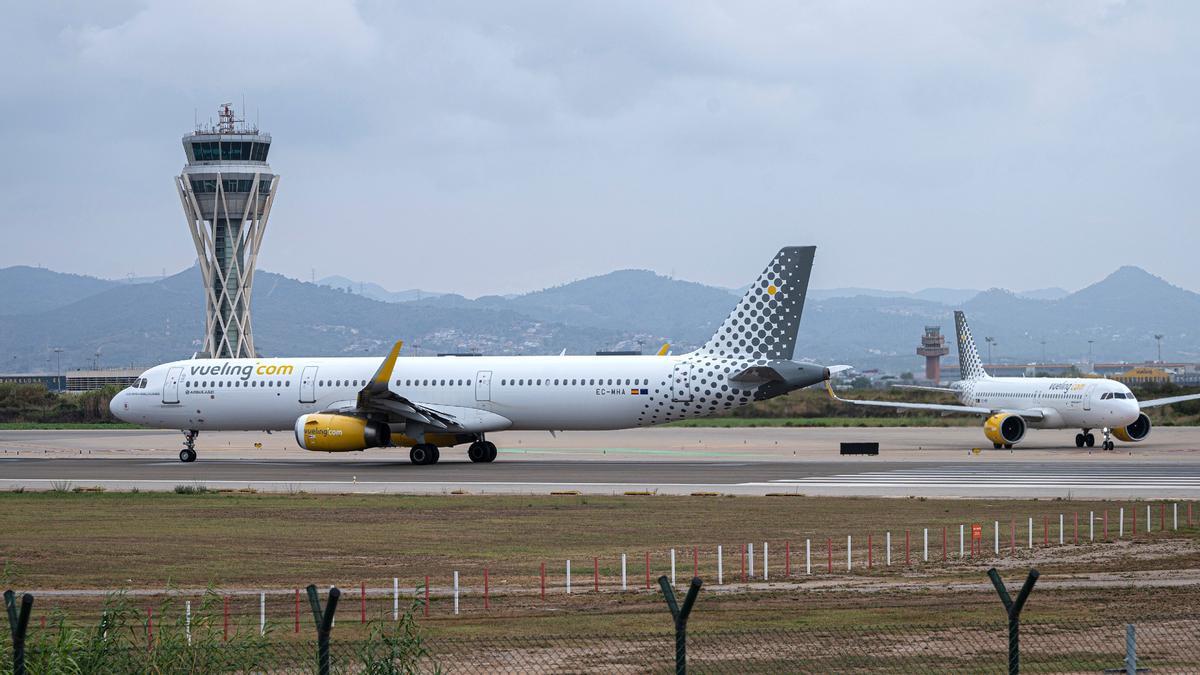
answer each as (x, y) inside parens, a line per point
(760, 329)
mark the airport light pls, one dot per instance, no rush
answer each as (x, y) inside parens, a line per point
(990, 341)
(1158, 338)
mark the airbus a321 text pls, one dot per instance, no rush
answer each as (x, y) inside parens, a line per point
(348, 404)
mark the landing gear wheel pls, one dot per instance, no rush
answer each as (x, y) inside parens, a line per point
(478, 452)
(491, 451)
(423, 453)
(1089, 439)
(1108, 441)
(1079, 440)
(1109, 445)
(188, 454)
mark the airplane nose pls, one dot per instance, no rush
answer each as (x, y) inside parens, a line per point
(116, 405)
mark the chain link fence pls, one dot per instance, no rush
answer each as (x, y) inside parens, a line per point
(126, 642)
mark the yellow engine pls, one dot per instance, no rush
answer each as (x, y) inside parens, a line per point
(1004, 429)
(1135, 432)
(340, 433)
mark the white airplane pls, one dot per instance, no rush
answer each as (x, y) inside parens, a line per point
(1013, 404)
(347, 404)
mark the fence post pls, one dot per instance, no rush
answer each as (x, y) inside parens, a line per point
(680, 615)
(296, 613)
(1121, 524)
(324, 621)
(750, 558)
(1091, 526)
(1130, 649)
(1175, 516)
(568, 580)
(456, 585)
(1031, 533)
(1013, 608)
(18, 624)
(395, 598)
(1060, 529)
(262, 613)
(766, 565)
(997, 536)
(808, 556)
(624, 582)
(187, 621)
(849, 552)
(926, 554)
(961, 536)
(720, 565)
(888, 546)
(672, 567)
(787, 553)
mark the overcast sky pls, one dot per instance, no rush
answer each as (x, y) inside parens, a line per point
(495, 147)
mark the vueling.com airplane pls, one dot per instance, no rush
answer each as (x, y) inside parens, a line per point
(347, 404)
(1012, 404)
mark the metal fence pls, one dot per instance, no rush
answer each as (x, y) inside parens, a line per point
(126, 642)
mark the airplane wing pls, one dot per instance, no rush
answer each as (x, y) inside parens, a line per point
(1030, 414)
(377, 397)
(1168, 401)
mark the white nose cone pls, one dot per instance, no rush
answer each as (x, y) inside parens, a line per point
(116, 406)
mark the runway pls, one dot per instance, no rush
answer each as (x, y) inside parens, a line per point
(933, 462)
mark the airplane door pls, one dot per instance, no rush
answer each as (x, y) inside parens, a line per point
(483, 385)
(171, 385)
(680, 389)
(1087, 397)
(308, 385)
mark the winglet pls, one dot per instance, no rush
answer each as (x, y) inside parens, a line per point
(379, 383)
(666, 348)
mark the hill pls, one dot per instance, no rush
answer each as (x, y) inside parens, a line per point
(153, 322)
(34, 289)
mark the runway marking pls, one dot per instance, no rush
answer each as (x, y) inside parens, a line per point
(1098, 478)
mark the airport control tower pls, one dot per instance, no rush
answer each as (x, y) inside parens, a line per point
(933, 348)
(227, 189)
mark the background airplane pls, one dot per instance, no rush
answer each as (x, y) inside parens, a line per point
(1013, 404)
(347, 404)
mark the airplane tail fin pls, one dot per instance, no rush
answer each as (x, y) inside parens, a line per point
(765, 323)
(969, 364)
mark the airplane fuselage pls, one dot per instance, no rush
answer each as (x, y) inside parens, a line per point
(1066, 403)
(496, 392)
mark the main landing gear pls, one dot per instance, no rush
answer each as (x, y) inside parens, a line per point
(188, 453)
(482, 451)
(1087, 439)
(424, 453)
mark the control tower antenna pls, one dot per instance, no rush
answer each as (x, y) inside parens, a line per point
(226, 190)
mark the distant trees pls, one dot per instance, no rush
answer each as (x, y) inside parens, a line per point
(34, 403)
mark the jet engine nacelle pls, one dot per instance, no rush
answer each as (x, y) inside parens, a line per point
(1004, 428)
(1135, 432)
(325, 432)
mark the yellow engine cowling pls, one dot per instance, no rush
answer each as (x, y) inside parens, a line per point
(1004, 428)
(1135, 432)
(340, 433)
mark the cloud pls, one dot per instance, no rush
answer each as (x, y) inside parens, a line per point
(689, 136)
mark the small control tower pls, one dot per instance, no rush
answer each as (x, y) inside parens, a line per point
(227, 189)
(933, 348)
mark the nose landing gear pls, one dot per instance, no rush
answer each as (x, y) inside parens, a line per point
(188, 453)
(1108, 441)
